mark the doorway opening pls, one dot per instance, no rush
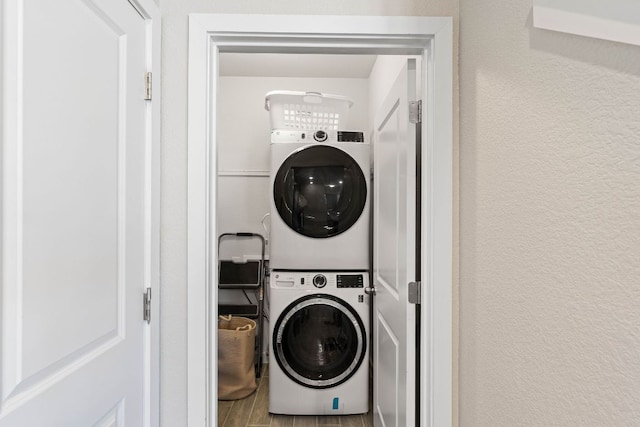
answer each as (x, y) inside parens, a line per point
(212, 37)
(245, 161)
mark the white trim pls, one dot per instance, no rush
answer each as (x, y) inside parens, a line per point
(197, 225)
(436, 333)
(208, 35)
(616, 20)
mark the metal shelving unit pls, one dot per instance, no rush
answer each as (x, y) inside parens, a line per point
(245, 276)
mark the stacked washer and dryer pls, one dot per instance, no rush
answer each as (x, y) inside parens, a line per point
(319, 257)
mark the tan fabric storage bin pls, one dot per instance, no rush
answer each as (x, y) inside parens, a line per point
(236, 348)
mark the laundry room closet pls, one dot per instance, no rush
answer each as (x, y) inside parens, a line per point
(244, 211)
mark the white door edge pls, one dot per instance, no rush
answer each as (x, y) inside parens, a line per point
(151, 14)
(432, 37)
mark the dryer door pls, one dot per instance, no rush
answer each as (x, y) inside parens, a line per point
(319, 341)
(320, 191)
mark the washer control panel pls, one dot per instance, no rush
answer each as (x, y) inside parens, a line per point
(317, 280)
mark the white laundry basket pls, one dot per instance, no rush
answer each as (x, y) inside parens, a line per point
(307, 110)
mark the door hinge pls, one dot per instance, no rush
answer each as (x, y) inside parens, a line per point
(147, 86)
(414, 292)
(147, 305)
(415, 112)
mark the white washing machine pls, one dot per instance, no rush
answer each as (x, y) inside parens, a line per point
(319, 333)
(320, 200)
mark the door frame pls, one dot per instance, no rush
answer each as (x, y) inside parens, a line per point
(430, 37)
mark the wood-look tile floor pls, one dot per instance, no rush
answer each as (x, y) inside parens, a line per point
(253, 411)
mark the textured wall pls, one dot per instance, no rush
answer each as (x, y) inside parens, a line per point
(173, 393)
(549, 223)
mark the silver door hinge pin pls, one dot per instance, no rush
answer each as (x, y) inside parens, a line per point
(147, 86)
(414, 292)
(415, 112)
(147, 305)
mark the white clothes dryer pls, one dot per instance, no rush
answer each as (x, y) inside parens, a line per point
(320, 200)
(319, 343)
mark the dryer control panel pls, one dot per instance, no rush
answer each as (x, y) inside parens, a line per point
(317, 136)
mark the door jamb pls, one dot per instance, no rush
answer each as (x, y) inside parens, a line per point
(210, 34)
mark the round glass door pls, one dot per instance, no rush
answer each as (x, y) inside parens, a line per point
(320, 191)
(319, 341)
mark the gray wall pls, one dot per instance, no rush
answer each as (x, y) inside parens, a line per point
(173, 345)
(549, 223)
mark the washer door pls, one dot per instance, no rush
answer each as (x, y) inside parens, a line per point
(320, 191)
(319, 341)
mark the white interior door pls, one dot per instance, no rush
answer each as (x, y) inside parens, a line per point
(73, 214)
(394, 255)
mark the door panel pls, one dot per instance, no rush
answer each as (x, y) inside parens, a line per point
(386, 380)
(73, 210)
(394, 255)
(386, 219)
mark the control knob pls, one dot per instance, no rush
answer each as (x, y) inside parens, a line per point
(319, 281)
(320, 136)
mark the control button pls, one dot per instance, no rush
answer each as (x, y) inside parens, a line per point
(302, 280)
(319, 281)
(320, 136)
